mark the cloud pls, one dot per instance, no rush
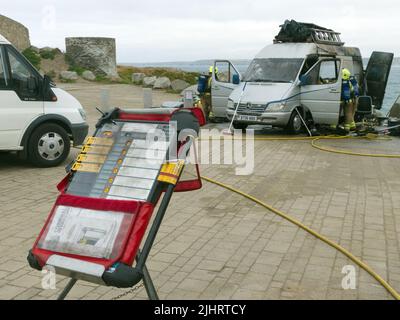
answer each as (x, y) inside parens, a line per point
(191, 30)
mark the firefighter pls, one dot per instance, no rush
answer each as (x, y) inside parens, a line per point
(206, 95)
(350, 94)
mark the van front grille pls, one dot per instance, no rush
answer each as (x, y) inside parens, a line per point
(253, 109)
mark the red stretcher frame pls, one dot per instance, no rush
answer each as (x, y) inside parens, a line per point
(118, 270)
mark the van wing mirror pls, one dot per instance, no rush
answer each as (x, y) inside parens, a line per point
(305, 80)
(236, 79)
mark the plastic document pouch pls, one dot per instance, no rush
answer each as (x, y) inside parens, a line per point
(85, 232)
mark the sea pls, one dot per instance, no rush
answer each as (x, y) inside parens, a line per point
(202, 66)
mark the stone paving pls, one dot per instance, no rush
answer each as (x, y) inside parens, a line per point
(215, 244)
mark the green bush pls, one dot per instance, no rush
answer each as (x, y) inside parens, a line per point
(33, 57)
(77, 69)
(48, 54)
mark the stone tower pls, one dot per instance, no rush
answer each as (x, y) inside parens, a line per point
(94, 54)
(15, 32)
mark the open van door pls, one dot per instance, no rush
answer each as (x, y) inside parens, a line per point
(377, 75)
(225, 79)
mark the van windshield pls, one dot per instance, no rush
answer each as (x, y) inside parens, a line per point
(273, 70)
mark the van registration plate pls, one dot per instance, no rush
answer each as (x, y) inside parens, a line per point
(247, 118)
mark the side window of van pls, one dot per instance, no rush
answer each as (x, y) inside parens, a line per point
(3, 74)
(23, 80)
(326, 72)
(226, 72)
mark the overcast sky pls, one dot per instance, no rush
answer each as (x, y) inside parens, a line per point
(172, 30)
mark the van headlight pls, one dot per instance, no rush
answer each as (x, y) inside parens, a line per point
(231, 104)
(276, 107)
(83, 114)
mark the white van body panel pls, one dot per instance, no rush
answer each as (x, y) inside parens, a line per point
(4, 40)
(66, 105)
(262, 93)
(15, 116)
(287, 50)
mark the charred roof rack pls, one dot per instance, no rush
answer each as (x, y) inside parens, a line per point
(293, 31)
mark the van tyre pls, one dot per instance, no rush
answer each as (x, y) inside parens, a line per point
(295, 125)
(240, 126)
(48, 146)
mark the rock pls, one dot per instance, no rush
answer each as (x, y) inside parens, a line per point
(162, 83)
(137, 78)
(179, 85)
(149, 81)
(93, 53)
(69, 75)
(191, 88)
(88, 75)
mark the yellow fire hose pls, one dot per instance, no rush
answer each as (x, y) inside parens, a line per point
(319, 236)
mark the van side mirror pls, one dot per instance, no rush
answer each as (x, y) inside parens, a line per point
(305, 80)
(236, 79)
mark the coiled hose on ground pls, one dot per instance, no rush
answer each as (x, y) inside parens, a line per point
(319, 236)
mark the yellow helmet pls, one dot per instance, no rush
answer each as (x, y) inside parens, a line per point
(346, 74)
(212, 69)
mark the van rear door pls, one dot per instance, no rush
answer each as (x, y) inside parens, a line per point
(377, 75)
(225, 79)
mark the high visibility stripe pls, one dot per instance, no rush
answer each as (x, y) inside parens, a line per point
(94, 158)
(99, 141)
(171, 171)
(96, 150)
(86, 167)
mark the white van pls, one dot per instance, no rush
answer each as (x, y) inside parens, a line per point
(37, 119)
(306, 76)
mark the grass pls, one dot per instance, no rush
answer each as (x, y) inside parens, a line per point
(173, 74)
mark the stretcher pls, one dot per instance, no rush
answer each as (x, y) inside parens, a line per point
(133, 162)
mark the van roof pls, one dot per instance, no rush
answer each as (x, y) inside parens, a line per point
(4, 40)
(287, 50)
(293, 50)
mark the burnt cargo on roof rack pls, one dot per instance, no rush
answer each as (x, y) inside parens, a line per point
(293, 31)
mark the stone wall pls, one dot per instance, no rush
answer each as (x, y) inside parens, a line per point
(15, 32)
(94, 54)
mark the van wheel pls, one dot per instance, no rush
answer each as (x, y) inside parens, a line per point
(240, 126)
(295, 124)
(48, 146)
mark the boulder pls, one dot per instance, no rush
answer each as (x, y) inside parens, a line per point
(69, 75)
(191, 88)
(137, 78)
(179, 85)
(88, 75)
(149, 81)
(162, 83)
